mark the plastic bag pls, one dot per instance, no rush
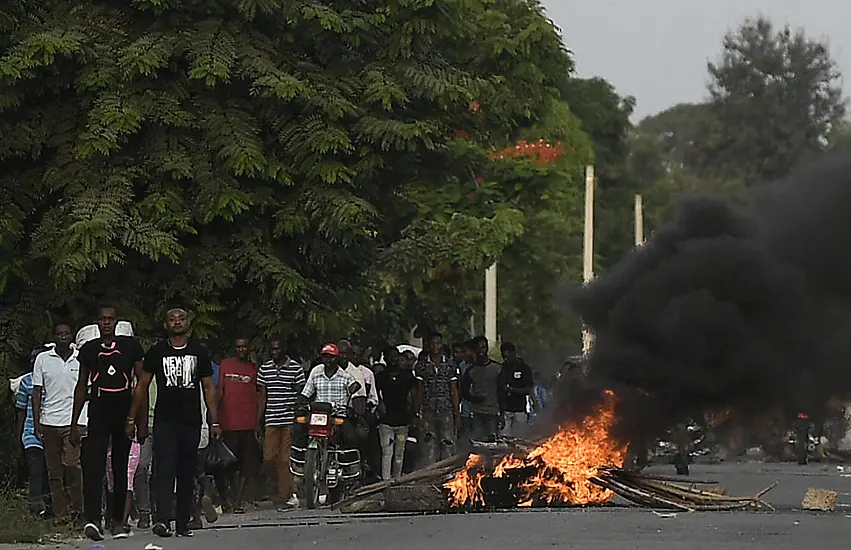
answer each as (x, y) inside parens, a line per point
(219, 457)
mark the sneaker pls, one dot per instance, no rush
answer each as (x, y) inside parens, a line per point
(209, 510)
(184, 531)
(196, 523)
(120, 530)
(93, 532)
(293, 502)
(162, 530)
(144, 520)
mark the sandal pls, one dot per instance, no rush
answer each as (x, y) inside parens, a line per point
(239, 510)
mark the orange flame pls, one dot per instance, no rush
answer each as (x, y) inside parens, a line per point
(563, 466)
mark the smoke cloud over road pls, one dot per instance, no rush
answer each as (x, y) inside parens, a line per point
(725, 307)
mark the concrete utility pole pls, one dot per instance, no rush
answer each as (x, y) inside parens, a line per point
(588, 256)
(490, 306)
(639, 220)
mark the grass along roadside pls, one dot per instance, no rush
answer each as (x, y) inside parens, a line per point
(19, 526)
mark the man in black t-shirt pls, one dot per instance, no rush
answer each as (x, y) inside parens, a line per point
(182, 368)
(395, 412)
(516, 382)
(109, 363)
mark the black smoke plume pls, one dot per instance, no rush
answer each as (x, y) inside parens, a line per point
(723, 307)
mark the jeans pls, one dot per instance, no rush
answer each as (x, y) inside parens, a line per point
(105, 427)
(142, 478)
(439, 437)
(276, 453)
(63, 461)
(485, 426)
(175, 458)
(393, 439)
(37, 479)
(515, 423)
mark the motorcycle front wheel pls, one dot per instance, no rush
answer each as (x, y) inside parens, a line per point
(312, 473)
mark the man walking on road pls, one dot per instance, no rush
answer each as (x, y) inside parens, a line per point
(396, 388)
(181, 368)
(481, 387)
(32, 447)
(280, 381)
(441, 402)
(238, 417)
(516, 382)
(109, 363)
(54, 378)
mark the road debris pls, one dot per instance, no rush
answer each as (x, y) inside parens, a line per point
(820, 500)
(425, 490)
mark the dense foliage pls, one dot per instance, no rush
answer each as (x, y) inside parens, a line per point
(296, 167)
(267, 164)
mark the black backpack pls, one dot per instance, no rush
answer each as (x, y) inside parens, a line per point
(109, 374)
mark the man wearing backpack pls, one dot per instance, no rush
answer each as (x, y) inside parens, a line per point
(110, 364)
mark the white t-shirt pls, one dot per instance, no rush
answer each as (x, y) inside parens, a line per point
(84, 415)
(57, 378)
(205, 429)
(369, 379)
(357, 375)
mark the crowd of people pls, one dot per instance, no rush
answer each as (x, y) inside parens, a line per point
(87, 418)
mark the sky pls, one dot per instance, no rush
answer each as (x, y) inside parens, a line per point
(657, 50)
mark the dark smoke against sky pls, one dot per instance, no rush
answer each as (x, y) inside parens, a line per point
(733, 308)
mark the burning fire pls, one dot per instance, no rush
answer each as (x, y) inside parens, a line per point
(559, 471)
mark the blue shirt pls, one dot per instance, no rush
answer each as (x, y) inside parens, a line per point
(215, 374)
(24, 402)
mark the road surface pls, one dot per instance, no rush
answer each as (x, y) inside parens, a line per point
(615, 528)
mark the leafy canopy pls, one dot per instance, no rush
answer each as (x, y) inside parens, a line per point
(275, 167)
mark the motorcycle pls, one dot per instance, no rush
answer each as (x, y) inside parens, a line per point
(325, 467)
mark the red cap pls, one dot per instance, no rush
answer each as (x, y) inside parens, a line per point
(330, 349)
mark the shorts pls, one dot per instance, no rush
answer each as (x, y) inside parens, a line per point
(243, 444)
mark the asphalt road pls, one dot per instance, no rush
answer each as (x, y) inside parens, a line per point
(606, 528)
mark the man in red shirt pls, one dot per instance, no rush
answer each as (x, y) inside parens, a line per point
(238, 416)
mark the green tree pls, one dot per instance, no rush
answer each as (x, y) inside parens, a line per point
(203, 156)
(666, 156)
(775, 96)
(839, 138)
(605, 117)
(286, 167)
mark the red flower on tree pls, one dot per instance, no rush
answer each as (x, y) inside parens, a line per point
(540, 152)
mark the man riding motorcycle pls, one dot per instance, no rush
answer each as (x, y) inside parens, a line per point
(329, 383)
(325, 452)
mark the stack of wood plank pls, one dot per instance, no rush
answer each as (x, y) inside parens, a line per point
(423, 490)
(672, 494)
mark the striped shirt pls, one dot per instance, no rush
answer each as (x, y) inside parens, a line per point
(282, 384)
(24, 402)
